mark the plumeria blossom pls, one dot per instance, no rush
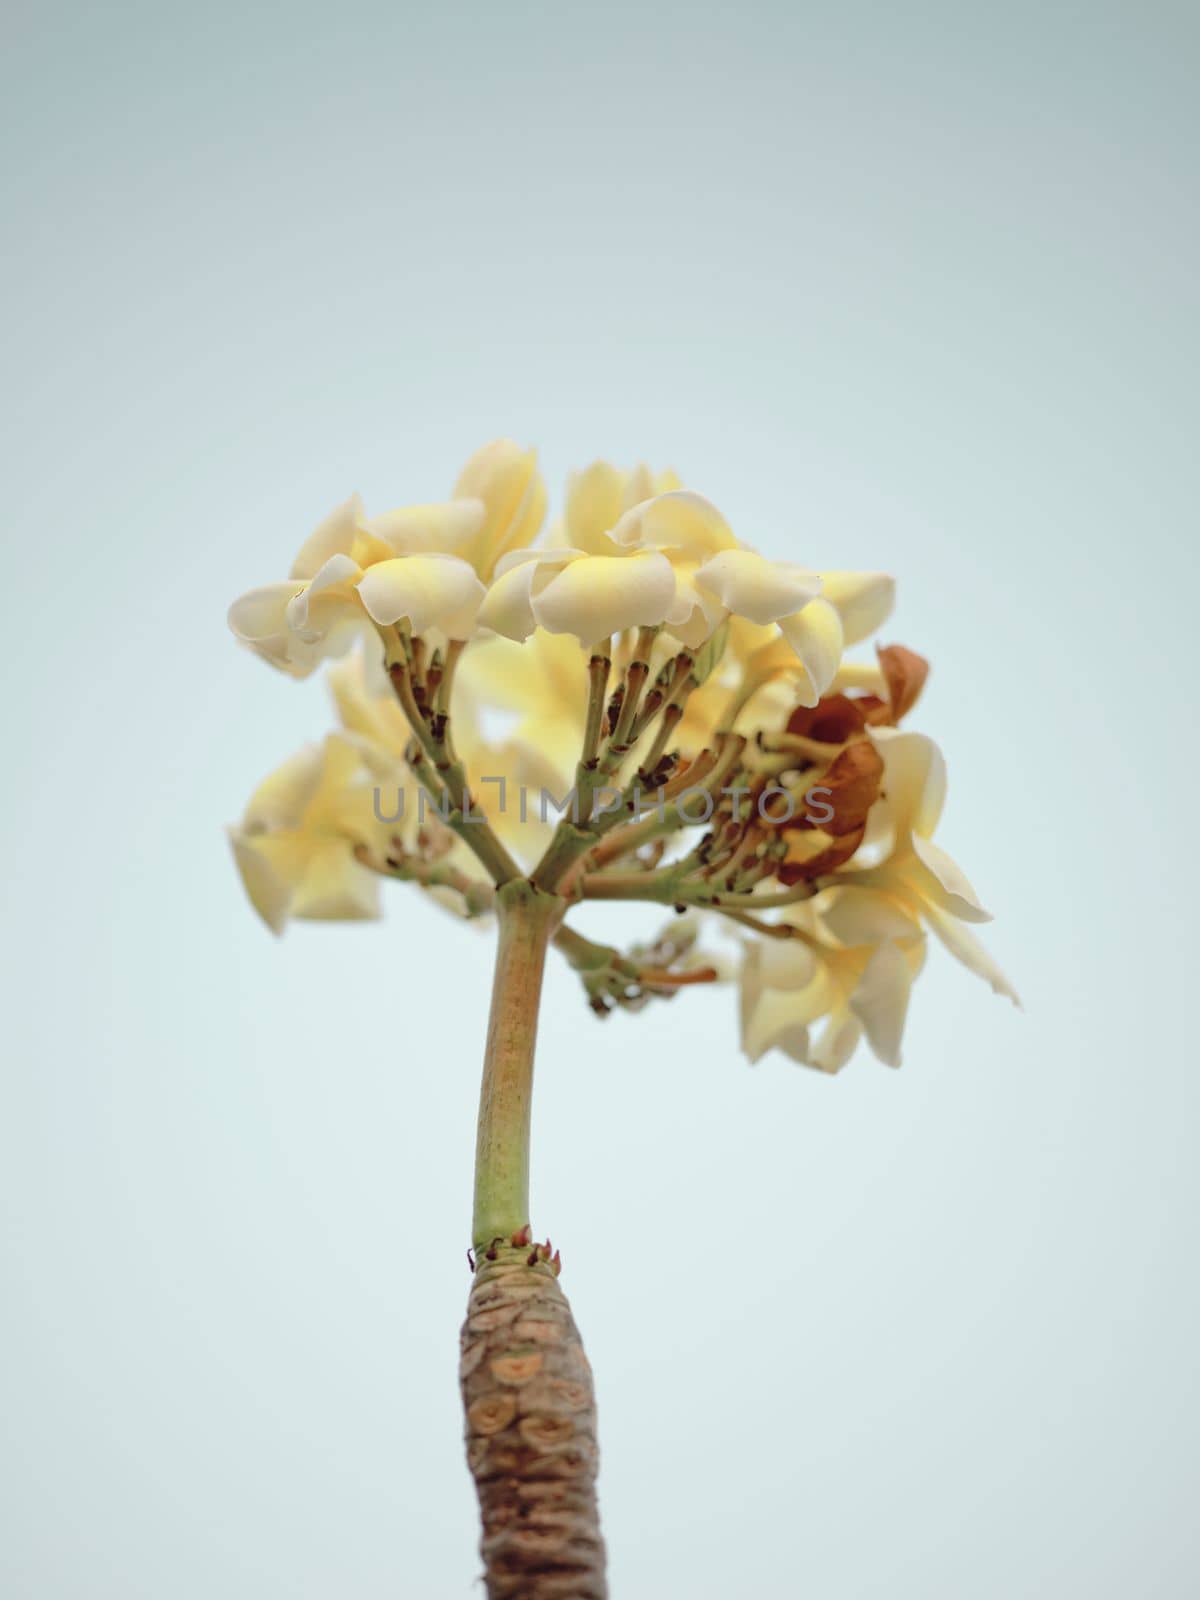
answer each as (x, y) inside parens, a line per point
(421, 566)
(505, 480)
(317, 830)
(669, 560)
(642, 652)
(914, 871)
(856, 947)
(624, 588)
(295, 846)
(770, 664)
(846, 975)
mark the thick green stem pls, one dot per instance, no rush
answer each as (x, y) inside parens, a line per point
(526, 1383)
(528, 920)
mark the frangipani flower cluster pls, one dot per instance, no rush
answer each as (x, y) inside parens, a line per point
(639, 706)
(424, 566)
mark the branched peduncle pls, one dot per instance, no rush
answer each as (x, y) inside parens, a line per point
(630, 714)
(478, 896)
(432, 756)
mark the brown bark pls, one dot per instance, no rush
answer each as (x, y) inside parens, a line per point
(531, 1433)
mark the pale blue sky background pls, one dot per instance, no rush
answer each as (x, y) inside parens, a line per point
(909, 286)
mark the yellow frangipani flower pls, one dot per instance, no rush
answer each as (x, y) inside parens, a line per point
(422, 566)
(505, 479)
(850, 968)
(352, 571)
(669, 560)
(295, 846)
(599, 495)
(899, 858)
(761, 659)
(760, 677)
(625, 588)
(859, 943)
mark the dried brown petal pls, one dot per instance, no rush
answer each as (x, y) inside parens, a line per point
(904, 672)
(874, 710)
(849, 787)
(834, 855)
(834, 720)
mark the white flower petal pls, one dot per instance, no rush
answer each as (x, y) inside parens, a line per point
(784, 987)
(334, 536)
(965, 947)
(507, 607)
(774, 1028)
(695, 614)
(340, 572)
(336, 887)
(443, 527)
(259, 620)
(282, 797)
(788, 964)
(259, 617)
(951, 888)
(815, 634)
(504, 477)
(595, 501)
(677, 520)
(426, 591)
(864, 677)
(914, 779)
(750, 586)
(856, 914)
(864, 600)
(268, 892)
(597, 596)
(556, 557)
(836, 1042)
(880, 1000)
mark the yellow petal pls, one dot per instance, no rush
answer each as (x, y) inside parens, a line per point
(856, 914)
(445, 527)
(864, 600)
(371, 712)
(507, 608)
(880, 1001)
(595, 501)
(334, 536)
(268, 892)
(965, 947)
(864, 677)
(334, 580)
(597, 596)
(774, 1017)
(425, 591)
(336, 887)
(677, 520)
(753, 587)
(259, 619)
(696, 612)
(282, 798)
(815, 634)
(504, 477)
(836, 1043)
(914, 780)
(946, 884)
